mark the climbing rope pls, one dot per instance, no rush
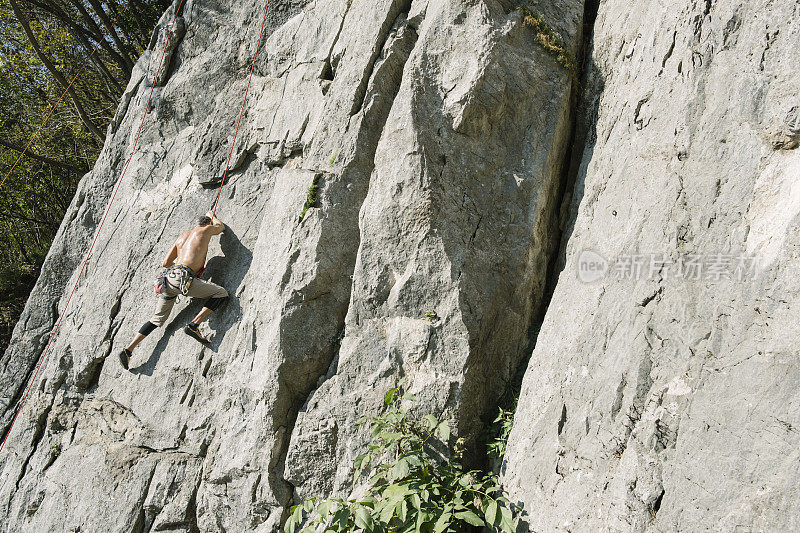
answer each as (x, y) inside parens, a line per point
(58, 102)
(241, 111)
(96, 235)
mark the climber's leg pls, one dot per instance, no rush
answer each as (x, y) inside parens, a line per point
(164, 307)
(216, 296)
(144, 331)
(205, 289)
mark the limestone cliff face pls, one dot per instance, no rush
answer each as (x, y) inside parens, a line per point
(458, 163)
(668, 404)
(436, 132)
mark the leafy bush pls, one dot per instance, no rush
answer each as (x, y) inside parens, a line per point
(417, 484)
(496, 446)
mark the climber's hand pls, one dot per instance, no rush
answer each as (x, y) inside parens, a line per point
(217, 226)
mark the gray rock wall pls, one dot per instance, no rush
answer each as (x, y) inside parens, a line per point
(455, 222)
(436, 132)
(666, 404)
(462, 171)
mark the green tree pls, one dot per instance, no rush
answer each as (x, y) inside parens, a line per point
(44, 44)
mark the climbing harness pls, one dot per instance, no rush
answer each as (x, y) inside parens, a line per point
(160, 282)
(177, 276)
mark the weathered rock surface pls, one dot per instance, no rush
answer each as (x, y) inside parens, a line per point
(436, 132)
(443, 138)
(664, 404)
(456, 222)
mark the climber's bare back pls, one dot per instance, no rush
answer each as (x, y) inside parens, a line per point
(191, 248)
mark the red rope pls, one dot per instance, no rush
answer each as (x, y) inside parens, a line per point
(58, 102)
(241, 111)
(96, 235)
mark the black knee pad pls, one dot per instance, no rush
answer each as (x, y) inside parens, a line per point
(147, 329)
(214, 303)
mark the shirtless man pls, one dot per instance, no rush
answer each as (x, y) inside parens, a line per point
(184, 260)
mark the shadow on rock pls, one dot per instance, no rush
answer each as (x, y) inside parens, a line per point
(228, 270)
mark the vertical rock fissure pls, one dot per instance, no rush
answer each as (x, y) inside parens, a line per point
(329, 71)
(398, 8)
(13, 404)
(581, 116)
(374, 120)
(141, 524)
(41, 424)
(22, 384)
(191, 508)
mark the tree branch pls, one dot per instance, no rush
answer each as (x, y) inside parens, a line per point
(43, 158)
(23, 20)
(98, 36)
(82, 35)
(112, 32)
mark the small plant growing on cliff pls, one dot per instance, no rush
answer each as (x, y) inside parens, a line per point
(548, 39)
(312, 198)
(501, 429)
(417, 483)
(431, 316)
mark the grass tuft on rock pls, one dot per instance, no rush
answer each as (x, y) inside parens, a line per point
(312, 198)
(548, 39)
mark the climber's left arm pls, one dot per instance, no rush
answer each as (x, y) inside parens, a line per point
(169, 260)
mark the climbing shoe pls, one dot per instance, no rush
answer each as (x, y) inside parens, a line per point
(125, 358)
(194, 332)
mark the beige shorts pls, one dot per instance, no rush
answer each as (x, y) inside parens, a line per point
(198, 289)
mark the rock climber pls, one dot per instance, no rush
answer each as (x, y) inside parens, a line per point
(183, 262)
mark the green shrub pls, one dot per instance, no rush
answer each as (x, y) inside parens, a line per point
(501, 429)
(417, 483)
